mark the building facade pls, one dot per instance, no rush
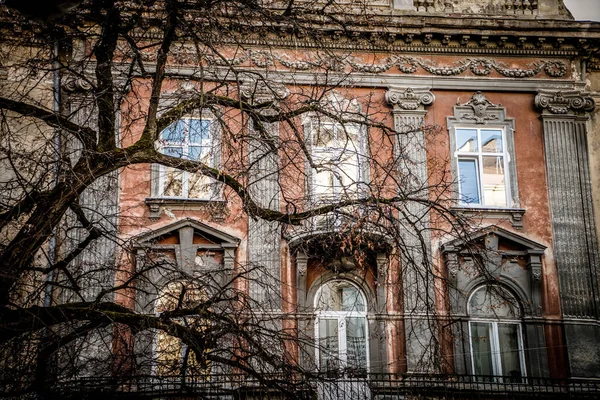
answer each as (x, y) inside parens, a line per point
(478, 121)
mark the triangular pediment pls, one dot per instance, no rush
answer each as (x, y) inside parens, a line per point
(203, 234)
(506, 241)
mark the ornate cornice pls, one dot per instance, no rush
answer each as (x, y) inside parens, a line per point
(563, 103)
(409, 99)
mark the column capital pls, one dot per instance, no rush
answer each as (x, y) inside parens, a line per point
(409, 99)
(258, 91)
(564, 103)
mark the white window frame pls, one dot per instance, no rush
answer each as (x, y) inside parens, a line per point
(161, 170)
(478, 157)
(341, 316)
(495, 340)
(334, 154)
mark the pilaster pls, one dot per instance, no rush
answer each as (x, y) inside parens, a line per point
(564, 116)
(410, 152)
(263, 236)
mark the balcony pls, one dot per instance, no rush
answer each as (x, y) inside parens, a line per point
(373, 386)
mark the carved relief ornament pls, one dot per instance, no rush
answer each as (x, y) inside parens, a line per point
(409, 99)
(403, 64)
(560, 103)
(479, 110)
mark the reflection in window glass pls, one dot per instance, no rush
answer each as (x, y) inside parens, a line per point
(481, 342)
(336, 151)
(173, 357)
(466, 140)
(356, 342)
(329, 344)
(496, 343)
(192, 139)
(491, 141)
(481, 167)
(469, 181)
(341, 328)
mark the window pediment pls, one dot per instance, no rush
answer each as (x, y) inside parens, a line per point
(203, 235)
(495, 245)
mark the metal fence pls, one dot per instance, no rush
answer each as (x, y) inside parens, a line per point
(368, 387)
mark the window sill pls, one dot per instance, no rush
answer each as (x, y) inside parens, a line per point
(514, 215)
(157, 204)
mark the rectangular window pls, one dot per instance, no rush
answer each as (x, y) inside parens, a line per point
(497, 350)
(191, 139)
(482, 167)
(338, 155)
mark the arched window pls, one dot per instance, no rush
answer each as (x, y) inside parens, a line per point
(173, 357)
(495, 333)
(341, 329)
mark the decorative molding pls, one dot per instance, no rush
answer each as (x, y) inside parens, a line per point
(262, 91)
(535, 264)
(404, 64)
(157, 204)
(301, 263)
(514, 215)
(452, 264)
(479, 110)
(409, 99)
(77, 85)
(560, 103)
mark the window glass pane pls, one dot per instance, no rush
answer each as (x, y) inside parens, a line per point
(323, 184)
(356, 342)
(175, 132)
(199, 153)
(348, 170)
(481, 338)
(199, 186)
(173, 182)
(466, 140)
(347, 138)
(173, 151)
(340, 296)
(328, 344)
(494, 187)
(509, 351)
(199, 131)
(493, 302)
(469, 181)
(324, 136)
(491, 141)
(352, 299)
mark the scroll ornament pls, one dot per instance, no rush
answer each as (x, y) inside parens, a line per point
(565, 102)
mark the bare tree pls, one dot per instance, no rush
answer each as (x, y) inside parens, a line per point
(93, 96)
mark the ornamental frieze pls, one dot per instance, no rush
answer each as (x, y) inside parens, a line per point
(560, 103)
(403, 64)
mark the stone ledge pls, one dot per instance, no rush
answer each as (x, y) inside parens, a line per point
(156, 203)
(514, 215)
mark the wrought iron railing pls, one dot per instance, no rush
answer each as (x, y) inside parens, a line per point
(373, 386)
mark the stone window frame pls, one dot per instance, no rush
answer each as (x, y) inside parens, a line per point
(480, 113)
(155, 201)
(524, 284)
(156, 279)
